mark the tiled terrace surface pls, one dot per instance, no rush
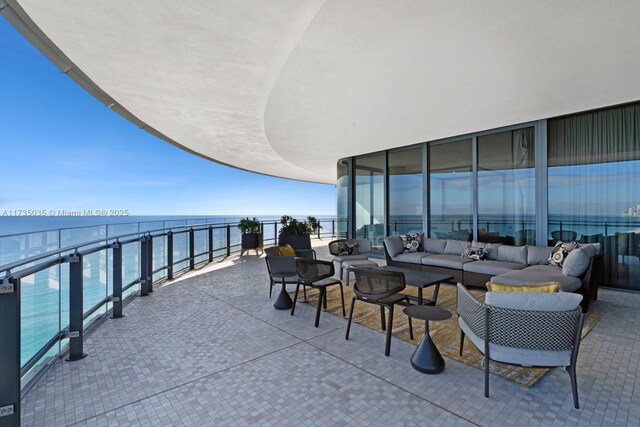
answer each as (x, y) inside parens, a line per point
(209, 349)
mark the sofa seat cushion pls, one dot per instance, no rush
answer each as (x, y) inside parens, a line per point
(539, 274)
(342, 258)
(447, 261)
(535, 301)
(412, 258)
(519, 356)
(492, 268)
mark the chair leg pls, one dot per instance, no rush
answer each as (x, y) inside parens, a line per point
(486, 376)
(304, 290)
(574, 385)
(340, 267)
(382, 325)
(319, 309)
(270, 287)
(461, 341)
(410, 322)
(353, 303)
(344, 314)
(295, 299)
(324, 300)
(387, 347)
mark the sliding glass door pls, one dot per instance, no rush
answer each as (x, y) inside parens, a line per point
(594, 187)
(450, 190)
(369, 208)
(506, 187)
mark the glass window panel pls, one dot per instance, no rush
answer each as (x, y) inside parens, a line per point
(342, 194)
(450, 185)
(369, 203)
(594, 196)
(406, 191)
(506, 187)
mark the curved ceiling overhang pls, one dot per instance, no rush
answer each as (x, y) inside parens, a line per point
(286, 88)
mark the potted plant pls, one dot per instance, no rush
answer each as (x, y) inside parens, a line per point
(295, 233)
(314, 224)
(251, 235)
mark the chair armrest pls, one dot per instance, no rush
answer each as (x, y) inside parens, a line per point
(306, 253)
(470, 310)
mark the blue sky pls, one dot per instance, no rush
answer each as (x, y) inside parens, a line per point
(62, 149)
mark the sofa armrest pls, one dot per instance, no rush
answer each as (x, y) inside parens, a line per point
(591, 280)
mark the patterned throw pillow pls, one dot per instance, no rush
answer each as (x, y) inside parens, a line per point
(413, 242)
(474, 252)
(349, 249)
(560, 251)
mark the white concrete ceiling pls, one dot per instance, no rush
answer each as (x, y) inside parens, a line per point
(287, 87)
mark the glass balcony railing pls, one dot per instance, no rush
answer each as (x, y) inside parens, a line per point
(56, 285)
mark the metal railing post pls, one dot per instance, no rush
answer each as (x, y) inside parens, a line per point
(275, 233)
(210, 243)
(150, 263)
(170, 255)
(117, 281)
(9, 352)
(144, 266)
(333, 227)
(76, 328)
(228, 240)
(192, 251)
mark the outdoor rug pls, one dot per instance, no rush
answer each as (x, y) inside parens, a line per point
(445, 334)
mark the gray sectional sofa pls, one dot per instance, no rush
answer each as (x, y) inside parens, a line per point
(504, 264)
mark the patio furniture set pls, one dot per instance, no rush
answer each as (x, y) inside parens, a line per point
(526, 328)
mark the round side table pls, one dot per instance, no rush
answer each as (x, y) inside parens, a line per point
(426, 358)
(284, 301)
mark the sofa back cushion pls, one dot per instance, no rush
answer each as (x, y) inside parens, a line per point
(560, 301)
(577, 261)
(517, 254)
(435, 246)
(538, 255)
(394, 244)
(455, 247)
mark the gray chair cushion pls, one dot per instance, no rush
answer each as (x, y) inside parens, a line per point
(342, 258)
(412, 258)
(538, 255)
(394, 245)
(447, 261)
(539, 274)
(517, 254)
(535, 301)
(491, 249)
(577, 261)
(492, 267)
(454, 247)
(519, 356)
(434, 246)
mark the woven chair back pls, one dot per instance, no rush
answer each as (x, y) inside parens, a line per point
(376, 284)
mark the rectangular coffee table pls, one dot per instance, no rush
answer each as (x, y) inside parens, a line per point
(421, 280)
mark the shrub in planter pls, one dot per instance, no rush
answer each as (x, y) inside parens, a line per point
(295, 233)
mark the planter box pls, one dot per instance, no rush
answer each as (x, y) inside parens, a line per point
(297, 241)
(251, 241)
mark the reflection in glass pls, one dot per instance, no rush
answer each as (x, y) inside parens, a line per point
(406, 191)
(506, 187)
(450, 184)
(594, 196)
(369, 203)
(342, 194)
